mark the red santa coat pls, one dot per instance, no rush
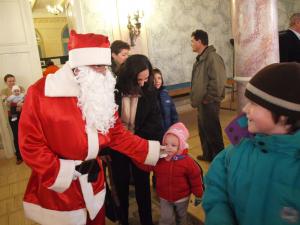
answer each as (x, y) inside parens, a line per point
(53, 139)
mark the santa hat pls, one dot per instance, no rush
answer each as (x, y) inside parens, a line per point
(88, 49)
(180, 131)
(15, 87)
(276, 88)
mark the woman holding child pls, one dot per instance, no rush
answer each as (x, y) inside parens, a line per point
(9, 96)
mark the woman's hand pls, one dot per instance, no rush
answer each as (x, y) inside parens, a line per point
(19, 106)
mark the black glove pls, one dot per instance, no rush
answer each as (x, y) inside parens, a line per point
(90, 167)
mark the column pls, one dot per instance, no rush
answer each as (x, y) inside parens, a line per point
(255, 33)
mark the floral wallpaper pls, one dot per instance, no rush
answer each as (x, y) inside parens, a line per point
(170, 26)
(94, 17)
(170, 30)
(285, 9)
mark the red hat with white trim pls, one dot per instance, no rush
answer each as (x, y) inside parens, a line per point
(88, 49)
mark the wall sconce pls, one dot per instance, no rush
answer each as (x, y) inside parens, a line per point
(134, 26)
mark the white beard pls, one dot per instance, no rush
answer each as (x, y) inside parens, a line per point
(96, 99)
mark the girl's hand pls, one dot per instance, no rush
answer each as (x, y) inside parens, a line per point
(197, 201)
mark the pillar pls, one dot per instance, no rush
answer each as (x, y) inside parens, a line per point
(255, 33)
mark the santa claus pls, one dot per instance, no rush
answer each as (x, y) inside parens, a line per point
(67, 118)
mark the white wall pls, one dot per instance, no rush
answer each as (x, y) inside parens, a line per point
(18, 47)
(18, 54)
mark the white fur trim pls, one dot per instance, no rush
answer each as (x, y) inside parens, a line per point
(93, 202)
(89, 56)
(62, 83)
(49, 217)
(65, 176)
(153, 153)
(93, 143)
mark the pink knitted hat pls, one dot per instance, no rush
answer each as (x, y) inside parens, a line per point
(180, 131)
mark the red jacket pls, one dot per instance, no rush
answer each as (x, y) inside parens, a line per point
(178, 178)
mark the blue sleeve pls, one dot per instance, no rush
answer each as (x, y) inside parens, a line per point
(174, 115)
(215, 201)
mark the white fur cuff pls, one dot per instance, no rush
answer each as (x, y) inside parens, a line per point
(153, 153)
(65, 176)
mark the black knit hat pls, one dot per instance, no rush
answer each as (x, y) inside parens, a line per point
(277, 88)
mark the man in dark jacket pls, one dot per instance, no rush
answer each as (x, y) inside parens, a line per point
(289, 41)
(208, 87)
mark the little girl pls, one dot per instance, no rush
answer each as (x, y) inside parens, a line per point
(168, 110)
(177, 176)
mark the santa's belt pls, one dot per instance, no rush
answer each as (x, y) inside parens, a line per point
(90, 167)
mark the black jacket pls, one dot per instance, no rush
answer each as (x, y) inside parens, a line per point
(148, 116)
(289, 46)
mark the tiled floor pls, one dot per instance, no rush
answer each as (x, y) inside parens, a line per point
(13, 181)
(13, 178)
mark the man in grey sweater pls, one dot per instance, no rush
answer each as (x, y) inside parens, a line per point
(208, 89)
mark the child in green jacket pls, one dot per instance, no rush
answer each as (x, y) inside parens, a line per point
(257, 180)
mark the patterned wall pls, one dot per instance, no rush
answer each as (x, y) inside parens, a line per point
(170, 29)
(169, 34)
(95, 16)
(170, 26)
(285, 9)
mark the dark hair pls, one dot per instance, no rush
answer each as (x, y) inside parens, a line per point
(127, 82)
(200, 35)
(8, 76)
(49, 62)
(156, 70)
(118, 45)
(294, 122)
(294, 18)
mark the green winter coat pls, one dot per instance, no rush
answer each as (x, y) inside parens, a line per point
(256, 182)
(208, 78)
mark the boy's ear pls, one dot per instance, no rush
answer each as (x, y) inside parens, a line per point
(283, 122)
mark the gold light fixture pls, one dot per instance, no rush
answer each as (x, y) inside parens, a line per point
(134, 26)
(55, 8)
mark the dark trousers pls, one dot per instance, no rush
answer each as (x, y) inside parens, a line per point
(14, 127)
(210, 130)
(121, 166)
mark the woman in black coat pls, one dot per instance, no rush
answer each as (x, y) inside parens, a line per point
(140, 113)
